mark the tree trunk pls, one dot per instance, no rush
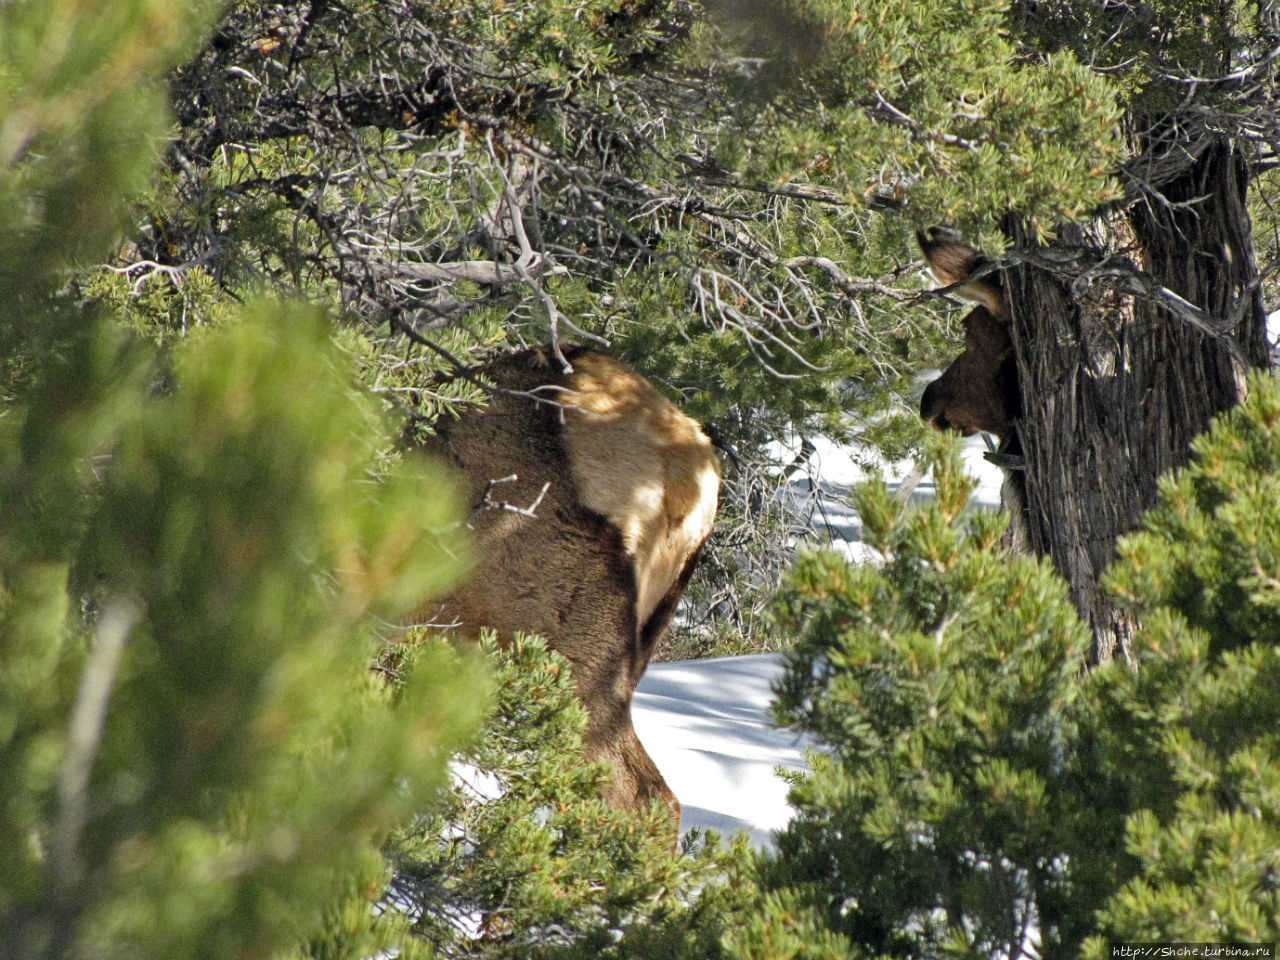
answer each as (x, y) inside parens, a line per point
(1115, 385)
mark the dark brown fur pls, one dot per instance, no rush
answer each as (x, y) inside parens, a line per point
(979, 390)
(570, 572)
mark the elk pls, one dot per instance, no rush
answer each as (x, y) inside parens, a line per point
(979, 390)
(591, 495)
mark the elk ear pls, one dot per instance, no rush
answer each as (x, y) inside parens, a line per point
(952, 261)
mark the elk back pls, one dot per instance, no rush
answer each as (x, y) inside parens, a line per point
(593, 542)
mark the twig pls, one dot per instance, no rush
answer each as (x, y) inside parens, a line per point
(488, 503)
(1141, 284)
(83, 736)
(476, 271)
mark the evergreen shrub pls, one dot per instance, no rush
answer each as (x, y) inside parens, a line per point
(977, 792)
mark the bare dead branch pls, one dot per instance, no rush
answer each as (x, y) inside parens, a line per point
(474, 271)
(83, 736)
(488, 503)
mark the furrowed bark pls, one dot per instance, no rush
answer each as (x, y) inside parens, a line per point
(1115, 385)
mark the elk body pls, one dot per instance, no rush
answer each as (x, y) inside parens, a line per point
(979, 390)
(591, 495)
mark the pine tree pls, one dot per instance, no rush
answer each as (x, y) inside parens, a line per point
(976, 793)
(1200, 715)
(942, 814)
(194, 551)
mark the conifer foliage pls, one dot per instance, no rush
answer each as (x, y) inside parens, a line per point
(202, 529)
(194, 755)
(525, 860)
(976, 793)
(1196, 726)
(940, 808)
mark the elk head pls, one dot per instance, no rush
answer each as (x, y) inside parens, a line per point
(979, 390)
(591, 496)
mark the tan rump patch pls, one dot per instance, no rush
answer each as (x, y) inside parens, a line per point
(643, 465)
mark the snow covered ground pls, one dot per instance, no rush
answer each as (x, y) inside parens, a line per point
(706, 723)
(820, 500)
